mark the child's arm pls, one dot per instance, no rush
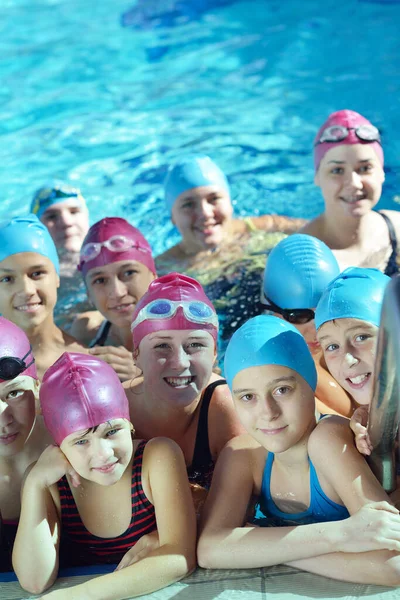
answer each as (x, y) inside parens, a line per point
(358, 424)
(164, 472)
(35, 553)
(225, 543)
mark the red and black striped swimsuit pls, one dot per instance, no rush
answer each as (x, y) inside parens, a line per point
(90, 549)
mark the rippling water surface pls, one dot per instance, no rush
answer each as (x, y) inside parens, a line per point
(106, 94)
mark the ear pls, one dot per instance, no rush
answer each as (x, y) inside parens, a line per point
(317, 180)
(58, 281)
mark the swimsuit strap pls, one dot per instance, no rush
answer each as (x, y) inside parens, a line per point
(101, 335)
(392, 266)
(202, 454)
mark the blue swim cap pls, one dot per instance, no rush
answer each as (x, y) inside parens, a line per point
(355, 294)
(267, 340)
(54, 193)
(298, 270)
(27, 234)
(190, 172)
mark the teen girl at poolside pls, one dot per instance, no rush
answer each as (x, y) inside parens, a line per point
(174, 331)
(99, 491)
(29, 278)
(348, 160)
(303, 474)
(297, 272)
(22, 434)
(117, 266)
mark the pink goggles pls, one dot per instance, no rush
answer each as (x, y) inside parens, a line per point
(337, 133)
(116, 243)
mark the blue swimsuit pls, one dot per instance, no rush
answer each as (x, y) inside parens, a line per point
(321, 507)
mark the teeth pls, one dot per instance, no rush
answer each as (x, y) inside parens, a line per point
(177, 381)
(359, 378)
(28, 306)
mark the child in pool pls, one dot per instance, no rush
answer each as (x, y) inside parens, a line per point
(117, 266)
(348, 159)
(23, 436)
(347, 320)
(99, 491)
(29, 278)
(302, 473)
(297, 272)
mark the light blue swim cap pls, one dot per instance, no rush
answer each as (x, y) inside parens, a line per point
(267, 340)
(298, 270)
(190, 172)
(27, 234)
(355, 294)
(54, 193)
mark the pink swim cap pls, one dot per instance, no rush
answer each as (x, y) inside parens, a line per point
(15, 344)
(178, 288)
(79, 392)
(351, 120)
(108, 228)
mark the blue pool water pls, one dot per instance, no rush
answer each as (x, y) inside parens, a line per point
(106, 94)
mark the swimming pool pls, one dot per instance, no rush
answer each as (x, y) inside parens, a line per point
(106, 94)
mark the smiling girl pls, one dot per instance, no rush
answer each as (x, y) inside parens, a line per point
(302, 474)
(348, 159)
(99, 491)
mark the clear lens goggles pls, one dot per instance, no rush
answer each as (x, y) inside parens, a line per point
(337, 133)
(296, 316)
(116, 243)
(64, 191)
(195, 311)
(11, 366)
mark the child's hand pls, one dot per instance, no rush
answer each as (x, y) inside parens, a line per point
(358, 424)
(376, 526)
(140, 550)
(51, 466)
(119, 358)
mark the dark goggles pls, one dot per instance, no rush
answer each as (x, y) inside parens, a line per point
(11, 366)
(296, 316)
(337, 133)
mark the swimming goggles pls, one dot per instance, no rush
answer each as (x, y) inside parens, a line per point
(47, 194)
(296, 316)
(116, 243)
(337, 133)
(194, 310)
(11, 366)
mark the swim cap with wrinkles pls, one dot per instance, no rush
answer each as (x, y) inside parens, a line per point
(14, 343)
(54, 192)
(267, 340)
(79, 392)
(351, 120)
(175, 287)
(27, 234)
(356, 293)
(191, 172)
(298, 270)
(107, 228)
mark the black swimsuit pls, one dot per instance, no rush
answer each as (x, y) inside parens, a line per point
(102, 333)
(392, 268)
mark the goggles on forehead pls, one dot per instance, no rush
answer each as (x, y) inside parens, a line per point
(194, 310)
(52, 193)
(337, 133)
(296, 316)
(11, 366)
(116, 243)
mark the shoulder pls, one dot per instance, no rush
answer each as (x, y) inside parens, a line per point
(85, 326)
(329, 436)
(394, 216)
(313, 227)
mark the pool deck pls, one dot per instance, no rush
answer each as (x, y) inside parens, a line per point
(273, 583)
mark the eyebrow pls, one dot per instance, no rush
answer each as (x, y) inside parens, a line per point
(33, 267)
(364, 326)
(270, 383)
(343, 162)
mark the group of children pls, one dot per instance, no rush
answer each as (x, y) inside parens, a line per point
(120, 442)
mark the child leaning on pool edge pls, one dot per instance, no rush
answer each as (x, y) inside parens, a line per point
(99, 491)
(302, 473)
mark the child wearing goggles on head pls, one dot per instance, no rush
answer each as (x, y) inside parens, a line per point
(347, 320)
(302, 473)
(99, 492)
(348, 159)
(22, 434)
(117, 267)
(175, 330)
(297, 272)
(29, 280)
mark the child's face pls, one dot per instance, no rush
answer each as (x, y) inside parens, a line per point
(275, 405)
(177, 365)
(101, 456)
(349, 347)
(28, 289)
(17, 413)
(68, 223)
(116, 288)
